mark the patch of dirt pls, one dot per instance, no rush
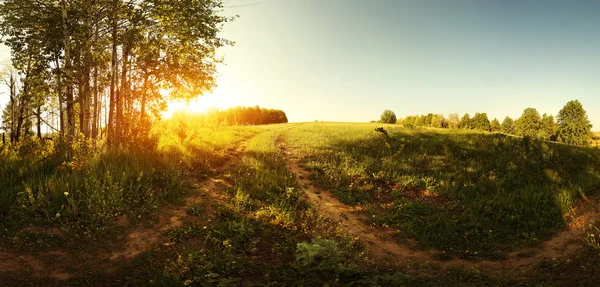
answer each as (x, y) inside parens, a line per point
(384, 248)
(142, 239)
(110, 255)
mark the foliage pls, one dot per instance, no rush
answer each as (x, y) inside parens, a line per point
(388, 117)
(466, 122)
(480, 122)
(508, 126)
(495, 125)
(573, 124)
(323, 254)
(438, 121)
(121, 58)
(549, 127)
(529, 124)
(453, 121)
(241, 116)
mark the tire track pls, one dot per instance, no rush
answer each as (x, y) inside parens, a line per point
(382, 248)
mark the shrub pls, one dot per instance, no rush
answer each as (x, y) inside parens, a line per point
(388, 117)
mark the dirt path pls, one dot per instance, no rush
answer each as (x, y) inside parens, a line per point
(381, 247)
(109, 256)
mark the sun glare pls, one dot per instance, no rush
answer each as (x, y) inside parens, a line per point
(223, 97)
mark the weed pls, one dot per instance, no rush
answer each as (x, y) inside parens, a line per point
(195, 210)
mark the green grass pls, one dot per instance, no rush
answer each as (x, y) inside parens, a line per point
(473, 194)
(487, 193)
(95, 186)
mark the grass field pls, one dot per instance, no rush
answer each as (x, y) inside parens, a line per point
(226, 207)
(474, 194)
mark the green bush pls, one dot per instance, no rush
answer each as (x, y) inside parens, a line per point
(388, 117)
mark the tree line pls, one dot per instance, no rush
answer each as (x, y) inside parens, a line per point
(105, 68)
(570, 126)
(245, 116)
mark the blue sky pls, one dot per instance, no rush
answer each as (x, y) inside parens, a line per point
(348, 60)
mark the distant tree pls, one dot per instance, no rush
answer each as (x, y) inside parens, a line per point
(428, 119)
(409, 122)
(244, 116)
(495, 125)
(480, 122)
(508, 126)
(388, 117)
(453, 121)
(421, 121)
(437, 121)
(573, 124)
(465, 122)
(443, 121)
(529, 124)
(549, 127)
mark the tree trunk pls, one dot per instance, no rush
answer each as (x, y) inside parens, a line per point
(61, 108)
(95, 114)
(13, 115)
(69, 77)
(85, 93)
(39, 121)
(122, 94)
(113, 79)
(20, 120)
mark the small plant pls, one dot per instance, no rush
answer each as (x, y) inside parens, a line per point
(323, 254)
(184, 232)
(593, 238)
(386, 136)
(195, 210)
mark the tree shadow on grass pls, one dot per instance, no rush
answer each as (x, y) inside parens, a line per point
(497, 192)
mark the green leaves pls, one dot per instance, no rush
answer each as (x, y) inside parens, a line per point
(573, 124)
(388, 117)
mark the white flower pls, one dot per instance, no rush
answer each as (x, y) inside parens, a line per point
(66, 193)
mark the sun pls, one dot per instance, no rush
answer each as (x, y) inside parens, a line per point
(223, 97)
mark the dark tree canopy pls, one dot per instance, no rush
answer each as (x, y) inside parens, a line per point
(573, 124)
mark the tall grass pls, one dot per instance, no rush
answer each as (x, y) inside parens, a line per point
(38, 183)
(471, 193)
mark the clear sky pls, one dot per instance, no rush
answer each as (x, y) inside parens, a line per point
(348, 60)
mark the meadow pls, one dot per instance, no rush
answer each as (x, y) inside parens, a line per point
(227, 206)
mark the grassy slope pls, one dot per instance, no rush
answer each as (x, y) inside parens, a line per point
(264, 233)
(267, 235)
(476, 194)
(96, 187)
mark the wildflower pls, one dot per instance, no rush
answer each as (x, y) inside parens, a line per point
(66, 193)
